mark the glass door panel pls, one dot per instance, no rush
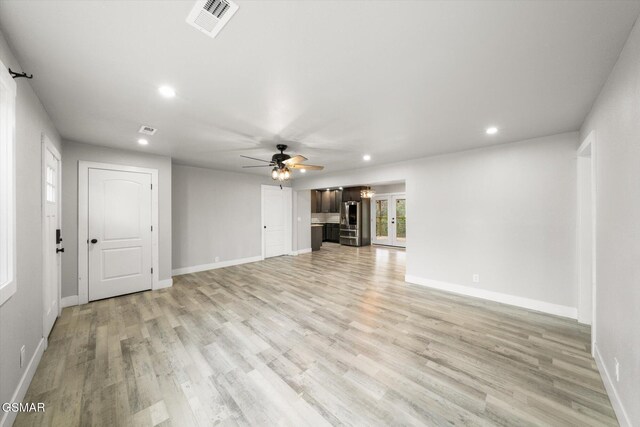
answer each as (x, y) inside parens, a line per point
(380, 222)
(400, 221)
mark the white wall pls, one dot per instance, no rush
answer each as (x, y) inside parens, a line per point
(506, 213)
(21, 315)
(389, 188)
(73, 152)
(615, 119)
(215, 214)
(302, 220)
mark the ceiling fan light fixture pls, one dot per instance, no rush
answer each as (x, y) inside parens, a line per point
(282, 164)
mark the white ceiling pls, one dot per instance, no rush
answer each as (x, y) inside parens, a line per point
(394, 79)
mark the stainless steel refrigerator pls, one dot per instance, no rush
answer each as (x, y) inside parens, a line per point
(355, 223)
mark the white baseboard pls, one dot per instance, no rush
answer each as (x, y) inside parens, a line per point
(69, 301)
(531, 304)
(213, 266)
(618, 408)
(300, 252)
(166, 283)
(21, 390)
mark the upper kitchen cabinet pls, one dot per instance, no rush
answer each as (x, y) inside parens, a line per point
(337, 197)
(352, 194)
(316, 201)
(326, 201)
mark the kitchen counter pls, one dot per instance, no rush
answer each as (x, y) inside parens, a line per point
(316, 236)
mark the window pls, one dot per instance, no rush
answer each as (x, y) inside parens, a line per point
(7, 185)
(51, 185)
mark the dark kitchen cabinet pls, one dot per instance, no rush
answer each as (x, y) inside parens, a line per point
(352, 194)
(331, 233)
(332, 201)
(335, 233)
(316, 237)
(326, 201)
(316, 201)
(337, 196)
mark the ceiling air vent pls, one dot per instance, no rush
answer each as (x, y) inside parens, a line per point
(209, 16)
(147, 130)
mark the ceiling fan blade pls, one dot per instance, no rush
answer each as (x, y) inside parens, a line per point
(294, 160)
(253, 158)
(259, 166)
(307, 167)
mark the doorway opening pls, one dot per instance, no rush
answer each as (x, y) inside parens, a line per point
(389, 215)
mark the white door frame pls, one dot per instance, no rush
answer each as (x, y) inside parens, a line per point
(83, 223)
(588, 150)
(400, 195)
(288, 213)
(46, 144)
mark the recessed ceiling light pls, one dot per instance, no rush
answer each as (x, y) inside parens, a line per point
(303, 170)
(167, 91)
(143, 141)
(328, 189)
(492, 130)
(366, 157)
(341, 188)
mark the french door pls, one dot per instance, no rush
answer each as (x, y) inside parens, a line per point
(389, 220)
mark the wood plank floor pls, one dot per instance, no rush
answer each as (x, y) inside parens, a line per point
(334, 337)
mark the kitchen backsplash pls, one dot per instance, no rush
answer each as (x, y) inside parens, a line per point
(325, 217)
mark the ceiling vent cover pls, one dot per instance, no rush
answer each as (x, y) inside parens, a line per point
(209, 16)
(147, 130)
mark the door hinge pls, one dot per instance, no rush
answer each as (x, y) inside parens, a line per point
(152, 228)
(151, 270)
(152, 186)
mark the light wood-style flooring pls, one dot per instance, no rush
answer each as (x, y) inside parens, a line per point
(334, 337)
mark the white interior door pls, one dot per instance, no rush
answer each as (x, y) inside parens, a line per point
(51, 223)
(389, 220)
(119, 233)
(276, 215)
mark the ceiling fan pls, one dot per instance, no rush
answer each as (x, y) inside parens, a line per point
(282, 164)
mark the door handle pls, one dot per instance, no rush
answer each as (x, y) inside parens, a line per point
(94, 241)
(58, 250)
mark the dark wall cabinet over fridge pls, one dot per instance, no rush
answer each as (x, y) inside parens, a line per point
(352, 194)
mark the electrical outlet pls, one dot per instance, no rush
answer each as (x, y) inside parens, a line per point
(23, 355)
(617, 369)
(476, 278)
(217, 259)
